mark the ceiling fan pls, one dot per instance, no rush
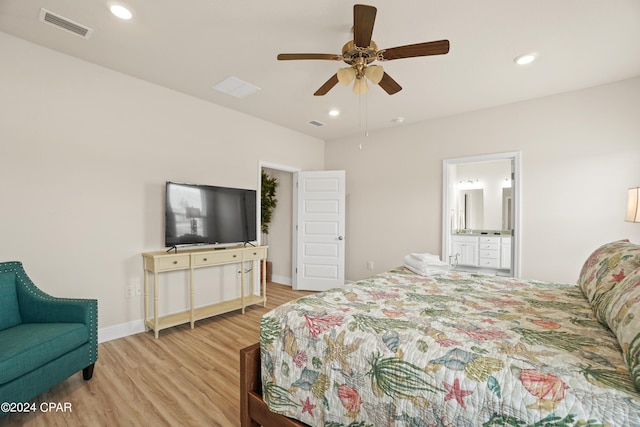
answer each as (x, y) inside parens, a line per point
(362, 51)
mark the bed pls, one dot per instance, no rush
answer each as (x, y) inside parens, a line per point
(454, 349)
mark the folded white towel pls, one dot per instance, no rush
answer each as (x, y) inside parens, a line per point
(426, 257)
(425, 268)
(428, 271)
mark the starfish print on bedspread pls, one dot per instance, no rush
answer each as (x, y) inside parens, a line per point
(617, 278)
(307, 406)
(339, 351)
(455, 392)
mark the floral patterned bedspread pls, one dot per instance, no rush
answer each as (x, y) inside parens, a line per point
(457, 349)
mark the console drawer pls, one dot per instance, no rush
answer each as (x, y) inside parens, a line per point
(222, 256)
(255, 253)
(172, 262)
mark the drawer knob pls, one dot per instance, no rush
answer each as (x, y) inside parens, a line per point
(204, 259)
(255, 253)
(235, 255)
(175, 262)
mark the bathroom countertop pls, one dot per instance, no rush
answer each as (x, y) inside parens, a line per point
(488, 233)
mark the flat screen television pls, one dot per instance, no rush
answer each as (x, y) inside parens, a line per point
(208, 215)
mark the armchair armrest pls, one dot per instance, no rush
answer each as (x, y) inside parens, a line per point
(43, 308)
(37, 306)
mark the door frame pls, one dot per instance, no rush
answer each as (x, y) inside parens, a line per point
(284, 168)
(448, 188)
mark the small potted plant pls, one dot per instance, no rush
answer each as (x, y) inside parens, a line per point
(268, 202)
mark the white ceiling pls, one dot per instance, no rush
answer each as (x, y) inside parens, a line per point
(189, 46)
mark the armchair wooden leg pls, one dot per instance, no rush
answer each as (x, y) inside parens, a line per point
(87, 372)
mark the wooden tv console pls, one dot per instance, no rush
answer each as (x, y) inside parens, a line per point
(156, 263)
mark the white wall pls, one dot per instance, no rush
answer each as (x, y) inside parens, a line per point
(580, 153)
(85, 154)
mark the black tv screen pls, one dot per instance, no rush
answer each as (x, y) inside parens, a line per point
(208, 215)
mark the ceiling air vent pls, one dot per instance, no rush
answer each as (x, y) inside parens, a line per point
(235, 87)
(65, 24)
(316, 123)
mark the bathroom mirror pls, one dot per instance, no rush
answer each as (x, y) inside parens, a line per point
(470, 211)
(481, 202)
(507, 208)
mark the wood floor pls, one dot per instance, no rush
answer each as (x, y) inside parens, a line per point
(187, 377)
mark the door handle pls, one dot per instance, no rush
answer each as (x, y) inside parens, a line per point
(340, 238)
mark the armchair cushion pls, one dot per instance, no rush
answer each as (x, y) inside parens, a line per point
(9, 302)
(30, 345)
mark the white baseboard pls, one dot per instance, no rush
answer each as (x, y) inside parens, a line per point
(282, 280)
(120, 331)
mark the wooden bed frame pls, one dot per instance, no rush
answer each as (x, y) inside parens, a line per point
(253, 410)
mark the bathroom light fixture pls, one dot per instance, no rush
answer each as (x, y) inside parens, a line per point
(121, 12)
(334, 113)
(633, 208)
(469, 184)
(525, 59)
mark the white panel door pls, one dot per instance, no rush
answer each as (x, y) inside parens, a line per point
(319, 230)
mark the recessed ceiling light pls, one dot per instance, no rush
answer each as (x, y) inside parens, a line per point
(334, 113)
(398, 120)
(525, 59)
(121, 11)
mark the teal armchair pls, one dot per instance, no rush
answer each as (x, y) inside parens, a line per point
(43, 339)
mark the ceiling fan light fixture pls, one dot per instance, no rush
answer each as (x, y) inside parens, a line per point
(374, 73)
(360, 52)
(360, 86)
(346, 75)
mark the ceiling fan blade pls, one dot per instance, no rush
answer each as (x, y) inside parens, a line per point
(363, 19)
(389, 85)
(294, 56)
(327, 86)
(439, 47)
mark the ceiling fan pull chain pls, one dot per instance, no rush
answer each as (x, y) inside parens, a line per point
(366, 116)
(360, 137)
